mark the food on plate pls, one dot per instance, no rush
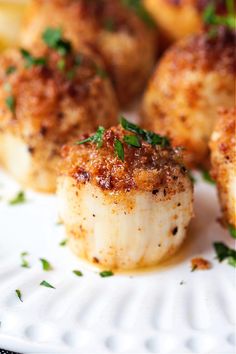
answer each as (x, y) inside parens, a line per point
(223, 159)
(177, 19)
(124, 196)
(46, 97)
(126, 42)
(193, 78)
(199, 263)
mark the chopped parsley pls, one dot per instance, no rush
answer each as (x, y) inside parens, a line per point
(18, 199)
(132, 140)
(101, 72)
(19, 295)
(138, 7)
(119, 149)
(11, 103)
(97, 138)
(78, 273)
(106, 273)
(46, 284)
(207, 177)
(223, 252)
(11, 69)
(53, 38)
(63, 243)
(24, 262)
(61, 64)
(30, 60)
(109, 24)
(150, 137)
(232, 231)
(211, 18)
(46, 265)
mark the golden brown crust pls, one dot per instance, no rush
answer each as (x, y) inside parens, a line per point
(223, 159)
(146, 168)
(193, 78)
(50, 102)
(114, 31)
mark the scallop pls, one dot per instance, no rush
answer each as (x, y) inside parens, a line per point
(192, 80)
(46, 97)
(125, 198)
(126, 43)
(223, 159)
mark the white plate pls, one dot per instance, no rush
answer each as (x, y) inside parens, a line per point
(144, 313)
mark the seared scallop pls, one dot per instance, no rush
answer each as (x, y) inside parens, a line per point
(194, 78)
(177, 19)
(223, 159)
(125, 41)
(46, 97)
(124, 197)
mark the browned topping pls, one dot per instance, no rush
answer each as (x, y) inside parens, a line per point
(206, 52)
(145, 168)
(200, 264)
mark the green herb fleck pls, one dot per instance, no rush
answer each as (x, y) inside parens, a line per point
(132, 140)
(224, 252)
(119, 149)
(232, 231)
(109, 24)
(19, 295)
(150, 137)
(46, 284)
(106, 273)
(46, 265)
(18, 199)
(10, 70)
(78, 273)
(211, 18)
(63, 243)
(11, 103)
(97, 138)
(24, 262)
(61, 64)
(141, 12)
(30, 60)
(53, 38)
(207, 177)
(101, 72)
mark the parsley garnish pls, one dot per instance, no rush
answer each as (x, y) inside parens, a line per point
(53, 38)
(232, 231)
(19, 295)
(11, 103)
(11, 69)
(109, 24)
(46, 265)
(78, 273)
(61, 64)
(24, 262)
(46, 284)
(132, 140)
(30, 60)
(119, 149)
(63, 243)
(141, 12)
(106, 273)
(150, 137)
(97, 138)
(101, 72)
(18, 199)
(224, 252)
(211, 18)
(207, 177)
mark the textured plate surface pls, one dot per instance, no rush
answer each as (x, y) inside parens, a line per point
(166, 310)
